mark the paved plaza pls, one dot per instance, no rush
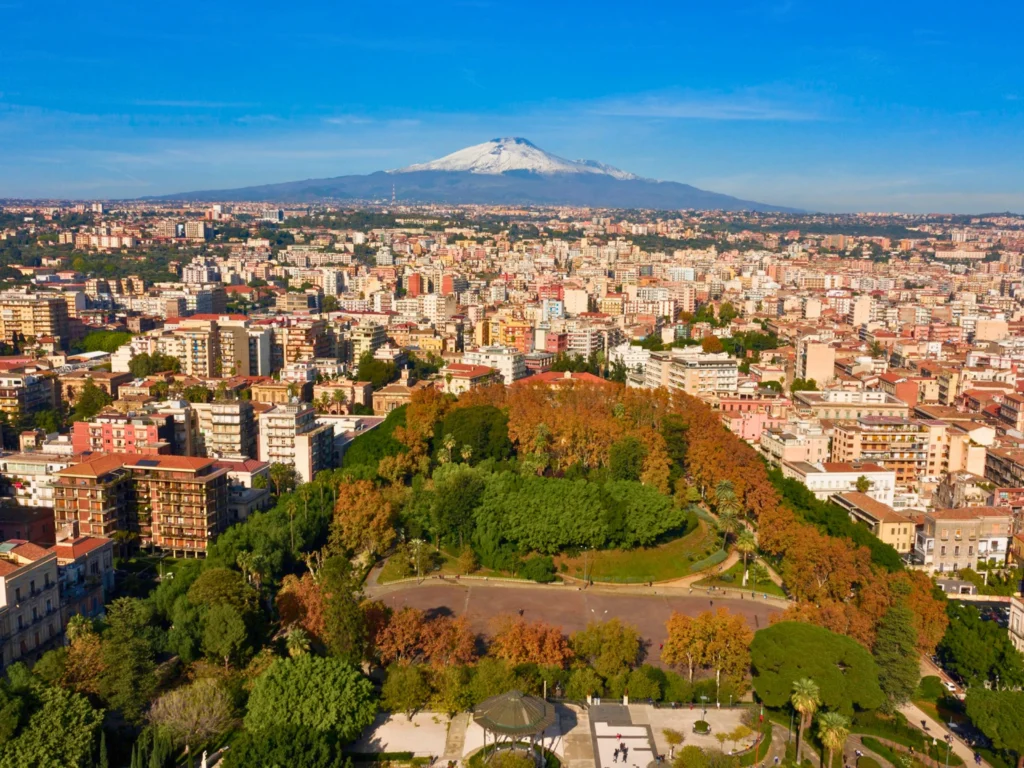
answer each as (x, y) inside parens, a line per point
(567, 607)
(581, 737)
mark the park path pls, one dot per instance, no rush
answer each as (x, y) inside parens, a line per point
(917, 717)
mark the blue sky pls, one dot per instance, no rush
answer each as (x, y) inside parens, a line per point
(901, 105)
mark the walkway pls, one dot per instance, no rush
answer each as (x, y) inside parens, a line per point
(938, 731)
(569, 608)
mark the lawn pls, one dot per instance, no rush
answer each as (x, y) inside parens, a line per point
(667, 561)
(733, 579)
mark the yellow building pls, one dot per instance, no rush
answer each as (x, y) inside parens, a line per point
(886, 523)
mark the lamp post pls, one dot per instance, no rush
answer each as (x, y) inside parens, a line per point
(949, 746)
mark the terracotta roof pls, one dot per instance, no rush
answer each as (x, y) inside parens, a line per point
(75, 548)
(843, 466)
(970, 513)
(883, 513)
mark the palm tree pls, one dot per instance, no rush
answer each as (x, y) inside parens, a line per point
(466, 453)
(833, 729)
(728, 522)
(449, 445)
(297, 642)
(746, 544)
(806, 699)
(338, 398)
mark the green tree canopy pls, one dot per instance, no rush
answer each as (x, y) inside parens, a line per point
(844, 671)
(325, 695)
(91, 400)
(979, 650)
(999, 715)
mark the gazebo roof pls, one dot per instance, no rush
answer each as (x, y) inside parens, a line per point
(514, 714)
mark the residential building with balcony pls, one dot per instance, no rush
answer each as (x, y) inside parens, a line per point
(111, 431)
(30, 621)
(951, 539)
(509, 362)
(799, 441)
(845, 405)
(891, 442)
(289, 434)
(85, 567)
(828, 479)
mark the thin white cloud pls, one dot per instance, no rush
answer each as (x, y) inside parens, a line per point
(702, 107)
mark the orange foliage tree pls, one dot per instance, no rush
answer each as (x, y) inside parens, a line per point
(448, 642)
(518, 641)
(364, 520)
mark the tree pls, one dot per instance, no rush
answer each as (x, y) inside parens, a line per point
(803, 385)
(833, 730)
(806, 698)
(282, 477)
(225, 637)
(978, 650)
(518, 641)
(91, 400)
(144, 365)
(728, 644)
(310, 692)
(583, 682)
(223, 586)
(297, 642)
(60, 731)
(448, 642)
(863, 485)
(83, 664)
(999, 714)
(711, 345)
(746, 545)
(843, 670)
(626, 459)
(285, 746)
(344, 623)
(401, 640)
(610, 647)
(405, 689)
(896, 655)
(363, 519)
(691, 757)
(195, 714)
(128, 679)
(686, 646)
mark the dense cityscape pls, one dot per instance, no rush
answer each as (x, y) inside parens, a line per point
(304, 483)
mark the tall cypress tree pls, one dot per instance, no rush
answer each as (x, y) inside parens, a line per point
(896, 654)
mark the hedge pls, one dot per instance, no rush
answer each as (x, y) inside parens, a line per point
(713, 559)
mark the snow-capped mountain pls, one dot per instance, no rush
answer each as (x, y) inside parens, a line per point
(509, 171)
(512, 153)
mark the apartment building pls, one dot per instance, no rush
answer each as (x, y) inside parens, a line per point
(366, 337)
(85, 572)
(800, 441)
(176, 504)
(1016, 623)
(1005, 467)
(828, 479)
(33, 316)
(227, 429)
(951, 539)
(509, 362)
(815, 360)
(888, 525)
(844, 405)
(29, 477)
(22, 392)
(691, 370)
(289, 434)
(29, 602)
(111, 431)
(894, 443)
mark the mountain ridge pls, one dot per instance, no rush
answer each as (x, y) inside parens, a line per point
(503, 171)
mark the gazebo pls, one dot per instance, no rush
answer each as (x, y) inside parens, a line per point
(513, 717)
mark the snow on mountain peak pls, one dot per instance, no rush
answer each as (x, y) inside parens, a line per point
(512, 153)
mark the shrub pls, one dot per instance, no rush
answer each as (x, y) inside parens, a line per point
(539, 569)
(702, 726)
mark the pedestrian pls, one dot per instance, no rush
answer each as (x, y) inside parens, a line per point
(711, 603)
(691, 590)
(615, 755)
(520, 611)
(618, 737)
(776, 759)
(661, 646)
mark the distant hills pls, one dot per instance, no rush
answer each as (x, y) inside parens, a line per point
(506, 171)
